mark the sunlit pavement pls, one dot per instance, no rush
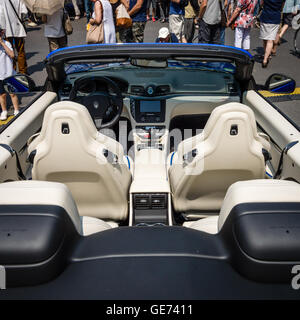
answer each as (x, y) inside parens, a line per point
(285, 62)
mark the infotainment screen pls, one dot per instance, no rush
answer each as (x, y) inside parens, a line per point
(148, 106)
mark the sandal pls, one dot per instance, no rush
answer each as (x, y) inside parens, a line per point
(264, 65)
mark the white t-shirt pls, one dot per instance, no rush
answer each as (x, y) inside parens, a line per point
(54, 27)
(8, 19)
(6, 63)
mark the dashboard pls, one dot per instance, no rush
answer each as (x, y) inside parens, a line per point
(154, 101)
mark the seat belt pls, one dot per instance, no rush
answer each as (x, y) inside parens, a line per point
(280, 164)
(13, 152)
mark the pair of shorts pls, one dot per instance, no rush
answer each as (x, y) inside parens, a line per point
(153, 4)
(287, 19)
(176, 23)
(57, 43)
(209, 33)
(268, 31)
(242, 38)
(1, 87)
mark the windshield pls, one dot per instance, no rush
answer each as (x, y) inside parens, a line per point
(178, 76)
(220, 66)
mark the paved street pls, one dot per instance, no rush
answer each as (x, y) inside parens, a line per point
(285, 61)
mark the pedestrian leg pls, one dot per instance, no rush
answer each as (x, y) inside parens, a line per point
(268, 44)
(20, 47)
(77, 11)
(15, 102)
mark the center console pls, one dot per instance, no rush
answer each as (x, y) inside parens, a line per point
(148, 111)
(150, 196)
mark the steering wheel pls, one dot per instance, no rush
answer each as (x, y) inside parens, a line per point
(105, 108)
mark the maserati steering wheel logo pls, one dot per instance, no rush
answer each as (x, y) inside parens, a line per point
(96, 104)
(150, 91)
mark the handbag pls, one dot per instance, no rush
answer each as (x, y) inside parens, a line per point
(123, 19)
(67, 24)
(95, 34)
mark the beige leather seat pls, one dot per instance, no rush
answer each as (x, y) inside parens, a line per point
(70, 150)
(228, 150)
(253, 191)
(54, 194)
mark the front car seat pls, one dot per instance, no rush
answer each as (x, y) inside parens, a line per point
(70, 150)
(228, 150)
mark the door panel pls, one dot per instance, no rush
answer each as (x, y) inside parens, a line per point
(17, 134)
(281, 132)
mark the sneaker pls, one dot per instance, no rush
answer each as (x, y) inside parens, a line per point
(77, 17)
(32, 24)
(16, 112)
(3, 115)
(153, 19)
(148, 18)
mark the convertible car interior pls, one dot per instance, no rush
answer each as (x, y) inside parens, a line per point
(145, 166)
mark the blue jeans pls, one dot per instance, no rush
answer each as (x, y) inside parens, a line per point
(89, 8)
(222, 36)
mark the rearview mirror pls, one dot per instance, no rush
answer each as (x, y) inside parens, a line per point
(149, 63)
(280, 83)
(19, 83)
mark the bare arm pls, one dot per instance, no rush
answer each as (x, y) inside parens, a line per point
(236, 12)
(98, 13)
(137, 7)
(8, 51)
(202, 9)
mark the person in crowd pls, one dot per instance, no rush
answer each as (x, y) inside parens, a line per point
(190, 13)
(164, 36)
(269, 26)
(54, 30)
(89, 8)
(6, 70)
(15, 30)
(224, 4)
(176, 19)
(165, 7)
(121, 33)
(209, 20)
(31, 20)
(137, 12)
(243, 18)
(158, 11)
(76, 9)
(149, 2)
(290, 9)
(103, 12)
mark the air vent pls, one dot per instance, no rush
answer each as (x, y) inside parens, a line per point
(137, 89)
(158, 201)
(142, 201)
(163, 89)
